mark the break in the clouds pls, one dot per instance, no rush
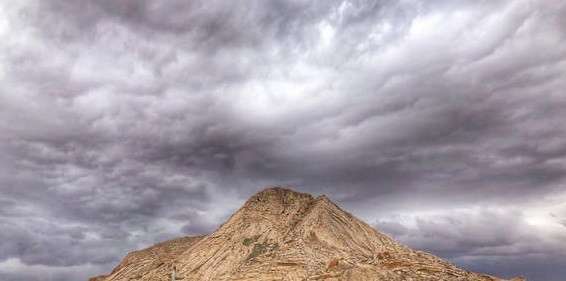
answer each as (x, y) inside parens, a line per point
(123, 123)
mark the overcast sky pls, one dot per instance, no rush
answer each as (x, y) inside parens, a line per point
(124, 123)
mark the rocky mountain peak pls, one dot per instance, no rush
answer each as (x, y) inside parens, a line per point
(279, 195)
(281, 234)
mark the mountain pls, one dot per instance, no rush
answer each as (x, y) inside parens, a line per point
(284, 235)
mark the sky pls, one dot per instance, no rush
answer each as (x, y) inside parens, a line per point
(128, 122)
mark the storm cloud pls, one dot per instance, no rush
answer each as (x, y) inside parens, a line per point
(124, 123)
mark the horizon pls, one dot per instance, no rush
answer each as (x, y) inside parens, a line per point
(124, 123)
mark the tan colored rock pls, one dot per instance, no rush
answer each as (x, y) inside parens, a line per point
(284, 235)
(97, 278)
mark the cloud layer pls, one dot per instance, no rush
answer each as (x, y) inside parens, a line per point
(123, 123)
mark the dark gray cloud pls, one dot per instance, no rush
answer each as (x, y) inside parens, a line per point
(123, 123)
(502, 241)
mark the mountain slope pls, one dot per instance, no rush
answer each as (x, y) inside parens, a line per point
(282, 235)
(157, 258)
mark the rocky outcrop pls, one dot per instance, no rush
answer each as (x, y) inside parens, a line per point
(284, 235)
(157, 259)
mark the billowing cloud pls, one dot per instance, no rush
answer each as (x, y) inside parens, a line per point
(504, 240)
(123, 123)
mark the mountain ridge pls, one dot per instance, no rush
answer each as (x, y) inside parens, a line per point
(280, 234)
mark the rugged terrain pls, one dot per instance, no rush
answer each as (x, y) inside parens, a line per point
(284, 235)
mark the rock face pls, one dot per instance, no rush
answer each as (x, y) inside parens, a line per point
(284, 235)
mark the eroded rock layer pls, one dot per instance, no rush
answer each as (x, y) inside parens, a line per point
(284, 235)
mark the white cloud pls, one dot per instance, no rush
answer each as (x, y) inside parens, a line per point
(137, 120)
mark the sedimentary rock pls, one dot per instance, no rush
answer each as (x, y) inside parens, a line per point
(284, 235)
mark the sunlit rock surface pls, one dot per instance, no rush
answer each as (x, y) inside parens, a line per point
(284, 235)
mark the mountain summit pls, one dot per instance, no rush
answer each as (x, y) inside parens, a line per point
(280, 234)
